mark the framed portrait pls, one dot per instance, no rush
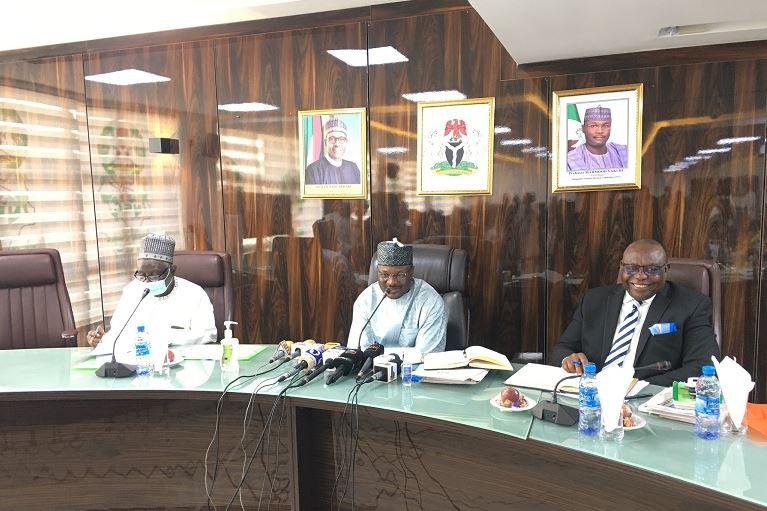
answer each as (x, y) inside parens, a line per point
(596, 139)
(332, 145)
(455, 147)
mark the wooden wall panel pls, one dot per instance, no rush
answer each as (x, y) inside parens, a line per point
(705, 210)
(299, 263)
(454, 51)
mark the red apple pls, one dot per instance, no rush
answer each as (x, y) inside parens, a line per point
(509, 397)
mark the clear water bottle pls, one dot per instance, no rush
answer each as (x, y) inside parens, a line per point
(589, 411)
(707, 400)
(143, 353)
(407, 373)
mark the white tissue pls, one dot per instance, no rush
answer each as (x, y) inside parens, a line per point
(612, 384)
(736, 385)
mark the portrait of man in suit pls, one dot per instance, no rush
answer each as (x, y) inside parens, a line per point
(641, 320)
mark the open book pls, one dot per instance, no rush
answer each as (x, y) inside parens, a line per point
(473, 356)
(543, 377)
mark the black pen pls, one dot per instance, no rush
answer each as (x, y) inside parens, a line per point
(639, 396)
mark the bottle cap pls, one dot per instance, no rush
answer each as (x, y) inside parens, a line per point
(140, 328)
(591, 368)
(709, 371)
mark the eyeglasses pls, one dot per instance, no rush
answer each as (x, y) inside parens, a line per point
(650, 271)
(333, 140)
(403, 275)
(143, 277)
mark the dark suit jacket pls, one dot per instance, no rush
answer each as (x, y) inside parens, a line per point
(688, 349)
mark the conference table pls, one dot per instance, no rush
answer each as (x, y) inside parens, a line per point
(71, 440)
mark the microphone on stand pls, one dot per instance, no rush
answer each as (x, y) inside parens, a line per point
(359, 339)
(283, 350)
(116, 369)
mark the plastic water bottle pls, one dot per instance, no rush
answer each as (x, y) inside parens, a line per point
(143, 353)
(707, 400)
(407, 373)
(589, 411)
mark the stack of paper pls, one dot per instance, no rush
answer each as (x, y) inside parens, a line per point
(473, 356)
(662, 404)
(450, 376)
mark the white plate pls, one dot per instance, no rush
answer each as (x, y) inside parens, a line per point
(177, 360)
(497, 403)
(639, 423)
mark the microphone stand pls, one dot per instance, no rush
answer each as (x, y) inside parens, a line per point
(551, 411)
(359, 339)
(115, 369)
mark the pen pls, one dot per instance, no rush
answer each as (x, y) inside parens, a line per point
(176, 327)
(639, 396)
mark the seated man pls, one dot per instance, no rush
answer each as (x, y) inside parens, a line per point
(411, 313)
(175, 310)
(612, 323)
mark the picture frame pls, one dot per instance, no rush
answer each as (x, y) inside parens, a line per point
(606, 154)
(455, 147)
(333, 153)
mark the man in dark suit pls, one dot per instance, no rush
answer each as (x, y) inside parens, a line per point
(641, 320)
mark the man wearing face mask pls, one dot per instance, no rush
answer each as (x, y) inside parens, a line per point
(175, 309)
(411, 314)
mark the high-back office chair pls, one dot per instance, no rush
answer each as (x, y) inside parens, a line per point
(35, 311)
(444, 268)
(705, 277)
(212, 271)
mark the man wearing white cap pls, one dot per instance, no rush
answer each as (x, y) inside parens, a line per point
(331, 168)
(411, 313)
(597, 152)
(173, 309)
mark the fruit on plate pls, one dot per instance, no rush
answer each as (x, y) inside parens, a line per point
(628, 416)
(512, 398)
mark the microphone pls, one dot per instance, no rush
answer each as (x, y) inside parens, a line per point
(327, 356)
(661, 365)
(658, 367)
(116, 369)
(283, 349)
(372, 351)
(551, 411)
(387, 367)
(343, 365)
(309, 360)
(359, 339)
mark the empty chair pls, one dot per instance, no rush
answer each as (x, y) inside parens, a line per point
(444, 268)
(703, 276)
(212, 271)
(35, 311)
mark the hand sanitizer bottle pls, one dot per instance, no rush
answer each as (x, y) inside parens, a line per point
(229, 361)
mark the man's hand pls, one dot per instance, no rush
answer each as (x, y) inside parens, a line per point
(574, 363)
(94, 336)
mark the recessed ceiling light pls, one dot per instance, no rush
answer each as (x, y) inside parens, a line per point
(501, 129)
(127, 77)
(717, 150)
(392, 150)
(247, 107)
(373, 56)
(435, 95)
(516, 141)
(736, 140)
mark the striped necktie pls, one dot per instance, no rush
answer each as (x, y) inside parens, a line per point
(623, 336)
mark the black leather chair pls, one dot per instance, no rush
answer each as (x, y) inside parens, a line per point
(704, 276)
(35, 310)
(444, 268)
(212, 271)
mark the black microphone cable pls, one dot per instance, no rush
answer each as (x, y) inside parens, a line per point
(267, 426)
(359, 339)
(237, 382)
(349, 442)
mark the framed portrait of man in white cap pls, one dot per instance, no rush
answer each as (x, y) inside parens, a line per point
(333, 155)
(596, 138)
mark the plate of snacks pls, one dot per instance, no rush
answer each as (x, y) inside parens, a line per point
(512, 400)
(631, 420)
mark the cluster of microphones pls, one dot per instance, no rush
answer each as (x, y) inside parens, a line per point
(336, 362)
